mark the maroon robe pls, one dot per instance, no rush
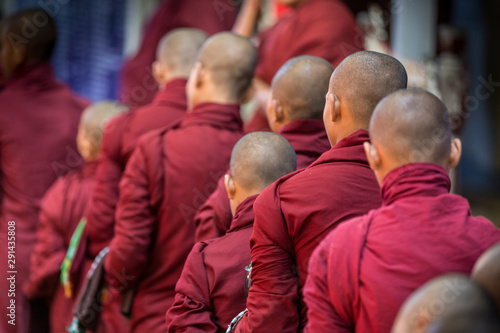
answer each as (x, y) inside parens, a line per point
(61, 210)
(309, 140)
(171, 173)
(39, 119)
(138, 85)
(210, 291)
(420, 232)
(119, 140)
(303, 32)
(291, 217)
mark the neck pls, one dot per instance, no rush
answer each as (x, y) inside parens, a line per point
(212, 97)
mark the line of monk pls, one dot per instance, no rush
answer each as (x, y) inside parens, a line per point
(340, 220)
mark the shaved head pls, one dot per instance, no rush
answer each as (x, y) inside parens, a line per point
(450, 303)
(412, 126)
(486, 272)
(92, 123)
(231, 60)
(362, 79)
(33, 29)
(301, 84)
(260, 158)
(179, 49)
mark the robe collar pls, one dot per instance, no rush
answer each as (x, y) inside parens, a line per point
(225, 116)
(244, 215)
(31, 74)
(173, 93)
(415, 180)
(307, 137)
(349, 149)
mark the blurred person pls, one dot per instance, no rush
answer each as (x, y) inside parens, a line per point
(170, 174)
(61, 211)
(38, 126)
(486, 272)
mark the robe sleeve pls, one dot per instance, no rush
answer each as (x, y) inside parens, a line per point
(213, 219)
(50, 247)
(135, 217)
(332, 287)
(273, 297)
(192, 310)
(100, 213)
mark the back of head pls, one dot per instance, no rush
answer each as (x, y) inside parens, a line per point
(92, 122)
(300, 86)
(33, 31)
(178, 50)
(412, 126)
(260, 158)
(449, 303)
(362, 79)
(486, 272)
(230, 60)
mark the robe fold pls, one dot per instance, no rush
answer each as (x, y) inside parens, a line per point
(170, 174)
(138, 86)
(301, 31)
(39, 119)
(61, 210)
(420, 232)
(119, 140)
(291, 217)
(210, 291)
(309, 140)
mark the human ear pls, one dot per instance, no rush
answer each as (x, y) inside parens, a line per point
(198, 75)
(372, 155)
(157, 71)
(335, 108)
(455, 153)
(230, 187)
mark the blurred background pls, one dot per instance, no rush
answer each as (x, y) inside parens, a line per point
(450, 47)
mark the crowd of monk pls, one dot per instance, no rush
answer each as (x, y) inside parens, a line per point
(328, 211)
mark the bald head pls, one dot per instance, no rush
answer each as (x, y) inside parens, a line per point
(179, 49)
(260, 158)
(231, 60)
(300, 86)
(450, 303)
(486, 272)
(92, 123)
(362, 79)
(412, 126)
(34, 31)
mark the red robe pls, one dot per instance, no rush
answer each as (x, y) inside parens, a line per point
(210, 291)
(309, 140)
(291, 217)
(39, 119)
(138, 85)
(171, 173)
(420, 232)
(120, 139)
(61, 211)
(322, 28)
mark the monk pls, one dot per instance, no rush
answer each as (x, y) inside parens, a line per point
(138, 86)
(420, 232)
(486, 272)
(295, 111)
(38, 125)
(448, 304)
(175, 57)
(210, 291)
(170, 174)
(322, 28)
(61, 210)
(294, 214)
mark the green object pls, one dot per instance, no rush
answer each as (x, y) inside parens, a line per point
(66, 265)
